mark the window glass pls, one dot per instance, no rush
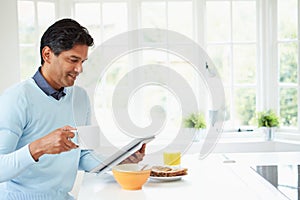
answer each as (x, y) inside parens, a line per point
(244, 63)
(147, 97)
(221, 54)
(193, 79)
(28, 60)
(183, 22)
(243, 20)
(185, 70)
(288, 107)
(33, 19)
(229, 34)
(218, 21)
(229, 114)
(245, 106)
(46, 16)
(27, 28)
(114, 19)
(89, 14)
(287, 19)
(231, 44)
(153, 15)
(117, 70)
(288, 62)
(288, 56)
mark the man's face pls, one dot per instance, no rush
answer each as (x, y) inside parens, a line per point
(62, 70)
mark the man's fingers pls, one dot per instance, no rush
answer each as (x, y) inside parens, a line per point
(142, 150)
(68, 142)
(139, 156)
(70, 134)
(70, 145)
(68, 128)
(135, 158)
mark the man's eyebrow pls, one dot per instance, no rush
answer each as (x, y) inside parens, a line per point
(76, 57)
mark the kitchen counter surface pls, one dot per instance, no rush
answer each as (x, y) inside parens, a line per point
(218, 176)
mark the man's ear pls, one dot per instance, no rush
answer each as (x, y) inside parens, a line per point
(47, 54)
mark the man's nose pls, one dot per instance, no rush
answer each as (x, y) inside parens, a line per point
(79, 68)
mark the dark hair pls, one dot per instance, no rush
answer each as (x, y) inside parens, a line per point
(63, 35)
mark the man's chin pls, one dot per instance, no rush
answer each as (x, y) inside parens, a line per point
(69, 83)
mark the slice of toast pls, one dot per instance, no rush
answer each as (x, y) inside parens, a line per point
(161, 171)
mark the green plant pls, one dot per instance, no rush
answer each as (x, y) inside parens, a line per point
(195, 120)
(267, 119)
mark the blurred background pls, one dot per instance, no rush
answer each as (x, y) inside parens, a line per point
(254, 45)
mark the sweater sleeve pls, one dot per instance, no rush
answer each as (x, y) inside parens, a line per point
(88, 160)
(12, 164)
(13, 118)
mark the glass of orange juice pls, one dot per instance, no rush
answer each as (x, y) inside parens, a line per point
(172, 159)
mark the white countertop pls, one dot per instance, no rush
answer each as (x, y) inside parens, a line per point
(211, 178)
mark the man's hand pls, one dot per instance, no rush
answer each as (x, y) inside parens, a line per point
(55, 142)
(136, 157)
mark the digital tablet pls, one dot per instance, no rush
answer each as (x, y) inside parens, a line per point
(121, 155)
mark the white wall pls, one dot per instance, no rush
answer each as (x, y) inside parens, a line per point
(9, 52)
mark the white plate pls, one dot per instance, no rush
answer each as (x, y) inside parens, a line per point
(166, 179)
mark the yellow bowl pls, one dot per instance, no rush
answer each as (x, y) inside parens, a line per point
(130, 177)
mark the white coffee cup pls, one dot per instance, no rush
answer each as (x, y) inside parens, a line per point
(88, 137)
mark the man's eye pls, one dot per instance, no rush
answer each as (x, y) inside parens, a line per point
(74, 61)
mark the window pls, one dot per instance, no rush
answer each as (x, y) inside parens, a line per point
(164, 15)
(231, 33)
(103, 19)
(288, 57)
(253, 44)
(34, 17)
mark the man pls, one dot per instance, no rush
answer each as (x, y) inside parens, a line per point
(38, 159)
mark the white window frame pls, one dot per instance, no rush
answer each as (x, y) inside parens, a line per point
(36, 44)
(272, 99)
(266, 43)
(232, 85)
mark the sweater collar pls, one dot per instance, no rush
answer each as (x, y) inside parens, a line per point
(45, 87)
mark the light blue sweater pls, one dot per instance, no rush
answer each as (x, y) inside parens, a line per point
(27, 114)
